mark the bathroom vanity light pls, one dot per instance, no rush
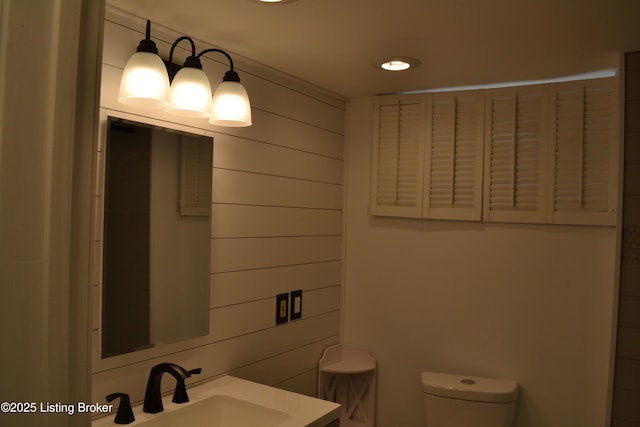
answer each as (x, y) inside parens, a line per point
(145, 82)
(148, 81)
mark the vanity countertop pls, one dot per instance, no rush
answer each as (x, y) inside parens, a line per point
(297, 410)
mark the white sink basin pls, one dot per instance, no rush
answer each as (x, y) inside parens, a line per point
(227, 411)
(233, 402)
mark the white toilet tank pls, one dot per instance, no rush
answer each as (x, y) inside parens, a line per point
(464, 401)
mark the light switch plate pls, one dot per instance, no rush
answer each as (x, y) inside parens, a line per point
(296, 304)
(282, 308)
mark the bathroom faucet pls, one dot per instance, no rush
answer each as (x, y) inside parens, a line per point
(153, 395)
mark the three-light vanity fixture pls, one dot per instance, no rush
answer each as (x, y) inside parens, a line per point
(148, 81)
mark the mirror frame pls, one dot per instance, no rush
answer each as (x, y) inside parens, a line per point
(97, 222)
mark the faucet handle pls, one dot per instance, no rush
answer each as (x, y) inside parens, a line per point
(125, 413)
(180, 393)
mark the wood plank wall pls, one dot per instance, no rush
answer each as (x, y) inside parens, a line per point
(276, 227)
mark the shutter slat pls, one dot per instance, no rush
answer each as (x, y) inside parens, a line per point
(399, 151)
(583, 142)
(514, 139)
(455, 166)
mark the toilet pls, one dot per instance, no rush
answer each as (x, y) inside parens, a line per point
(467, 401)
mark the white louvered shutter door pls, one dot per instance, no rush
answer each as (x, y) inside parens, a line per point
(515, 144)
(398, 156)
(586, 143)
(196, 157)
(453, 165)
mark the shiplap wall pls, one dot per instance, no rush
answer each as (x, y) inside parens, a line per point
(276, 227)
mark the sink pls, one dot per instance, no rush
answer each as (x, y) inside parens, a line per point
(233, 402)
(227, 411)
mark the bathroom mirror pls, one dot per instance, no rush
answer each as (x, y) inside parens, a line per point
(156, 236)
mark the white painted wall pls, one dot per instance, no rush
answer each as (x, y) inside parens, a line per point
(532, 303)
(276, 227)
(43, 217)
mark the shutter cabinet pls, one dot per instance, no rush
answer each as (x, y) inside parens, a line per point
(539, 154)
(453, 165)
(398, 156)
(515, 144)
(585, 131)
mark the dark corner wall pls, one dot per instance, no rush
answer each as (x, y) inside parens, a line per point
(626, 412)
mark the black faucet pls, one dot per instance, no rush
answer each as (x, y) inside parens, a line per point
(153, 395)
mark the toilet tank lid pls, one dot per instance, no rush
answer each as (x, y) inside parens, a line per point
(473, 388)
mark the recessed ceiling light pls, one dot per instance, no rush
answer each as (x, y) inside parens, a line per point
(276, 1)
(395, 65)
(399, 63)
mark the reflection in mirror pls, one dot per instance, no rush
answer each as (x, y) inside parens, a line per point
(155, 283)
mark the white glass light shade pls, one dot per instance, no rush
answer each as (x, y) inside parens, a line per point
(144, 82)
(231, 106)
(190, 93)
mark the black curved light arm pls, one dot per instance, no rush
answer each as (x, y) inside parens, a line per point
(192, 60)
(219, 51)
(229, 76)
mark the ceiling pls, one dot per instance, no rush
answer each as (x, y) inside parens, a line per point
(336, 44)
